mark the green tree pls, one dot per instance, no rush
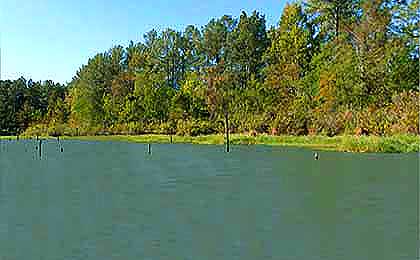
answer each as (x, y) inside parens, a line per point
(333, 15)
(215, 40)
(190, 102)
(248, 42)
(290, 53)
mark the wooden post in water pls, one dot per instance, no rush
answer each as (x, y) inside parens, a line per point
(149, 149)
(171, 139)
(40, 149)
(227, 131)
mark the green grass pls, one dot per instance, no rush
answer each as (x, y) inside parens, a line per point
(13, 137)
(7, 137)
(371, 144)
(208, 139)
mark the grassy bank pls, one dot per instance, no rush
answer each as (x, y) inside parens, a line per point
(373, 144)
(393, 144)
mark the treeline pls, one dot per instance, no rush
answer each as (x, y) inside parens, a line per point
(328, 67)
(25, 103)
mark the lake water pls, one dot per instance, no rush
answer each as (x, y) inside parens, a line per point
(103, 200)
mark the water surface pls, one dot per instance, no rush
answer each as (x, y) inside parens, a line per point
(110, 200)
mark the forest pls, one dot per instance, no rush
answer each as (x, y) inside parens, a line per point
(329, 67)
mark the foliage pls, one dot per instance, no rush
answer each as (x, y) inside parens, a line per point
(328, 68)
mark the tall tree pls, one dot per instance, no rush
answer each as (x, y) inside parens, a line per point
(171, 57)
(215, 40)
(249, 42)
(333, 15)
(220, 95)
(192, 53)
(291, 50)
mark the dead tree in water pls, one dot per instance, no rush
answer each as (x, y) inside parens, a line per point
(220, 95)
(40, 149)
(227, 130)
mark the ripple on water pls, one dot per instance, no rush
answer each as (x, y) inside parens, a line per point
(113, 201)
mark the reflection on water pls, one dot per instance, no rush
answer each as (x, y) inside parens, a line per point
(114, 201)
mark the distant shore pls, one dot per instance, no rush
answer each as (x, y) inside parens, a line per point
(358, 144)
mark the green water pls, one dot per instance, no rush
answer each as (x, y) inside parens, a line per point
(113, 201)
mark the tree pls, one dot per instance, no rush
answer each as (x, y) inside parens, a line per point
(248, 42)
(189, 102)
(153, 96)
(215, 40)
(171, 57)
(220, 95)
(333, 15)
(376, 50)
(291, 50)
(192, 54)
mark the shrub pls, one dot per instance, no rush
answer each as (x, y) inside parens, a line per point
(404, 113)
(292, 119)
(328, 123)
(194, 128)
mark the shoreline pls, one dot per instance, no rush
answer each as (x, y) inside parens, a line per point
(345, 143)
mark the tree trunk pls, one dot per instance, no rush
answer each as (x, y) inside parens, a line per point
(337, 22)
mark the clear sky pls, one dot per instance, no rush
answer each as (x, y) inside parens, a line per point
(51, 39)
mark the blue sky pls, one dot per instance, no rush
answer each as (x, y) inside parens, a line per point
(51, 39)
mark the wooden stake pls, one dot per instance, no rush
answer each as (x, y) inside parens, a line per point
(227, 131)
(40, 149)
